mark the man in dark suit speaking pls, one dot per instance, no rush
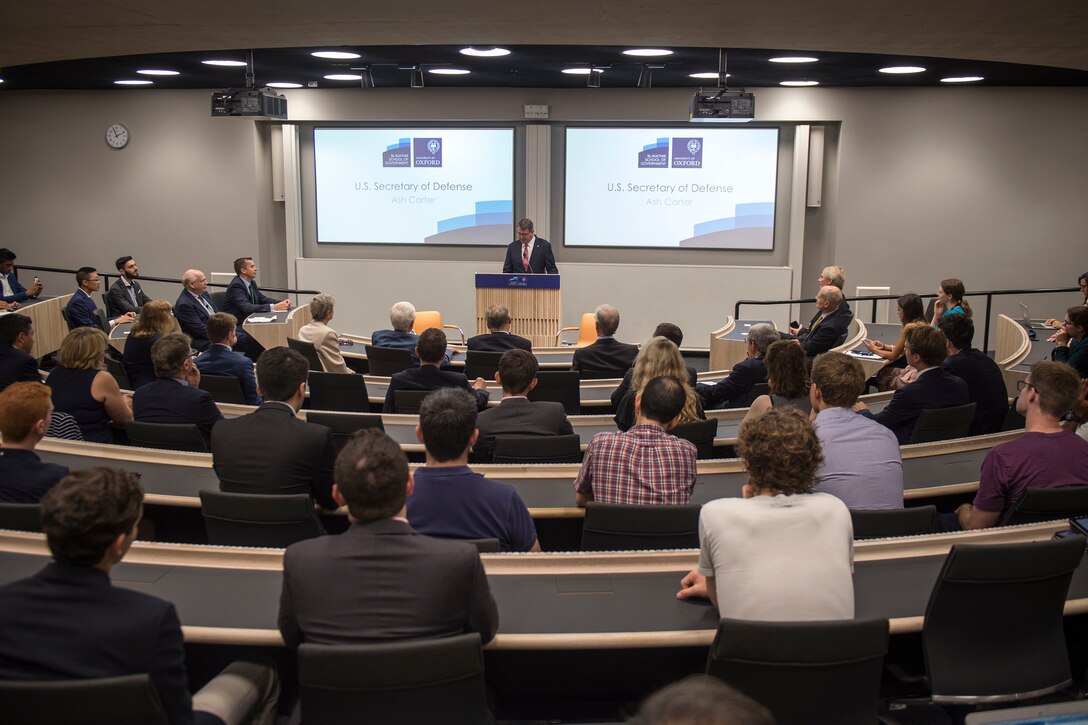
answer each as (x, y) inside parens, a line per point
(529, 254)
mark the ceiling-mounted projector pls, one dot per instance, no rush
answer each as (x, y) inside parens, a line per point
(249, 102)
(722, 105)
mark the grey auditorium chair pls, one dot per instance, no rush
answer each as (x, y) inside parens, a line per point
(617, 527)
(124, 700)
(386, 361)
(408, 402)
(942, 424)
(218, 299)
(344, 425)
(166, 436)
(883, 523)
(1048, 504)
(308, 351)
(338, 391)
(559, 387)
(537, 449)
(700, 432)
(481, 364)
(257, 519)
(20, 516)
(224, 388)
(117, 370)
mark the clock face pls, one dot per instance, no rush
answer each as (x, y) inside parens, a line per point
(117, 136)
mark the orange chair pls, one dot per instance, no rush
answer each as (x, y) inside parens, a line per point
(427, 319)
(587, 331)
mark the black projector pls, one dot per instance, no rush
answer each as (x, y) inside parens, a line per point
(249, 102)
(721, 105)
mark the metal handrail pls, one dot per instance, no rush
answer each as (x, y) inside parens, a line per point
(144, 278)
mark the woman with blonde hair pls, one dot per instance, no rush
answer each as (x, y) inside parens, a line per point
(659, 357)
(84, 390)
(155, 320)
(787, 378)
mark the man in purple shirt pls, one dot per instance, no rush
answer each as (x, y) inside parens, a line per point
(1046, 456)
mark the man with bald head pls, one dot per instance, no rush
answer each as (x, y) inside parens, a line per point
(194, 307)
(827, 326)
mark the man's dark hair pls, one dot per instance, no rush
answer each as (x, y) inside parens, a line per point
(169, 353)
(122, 261)
(1078, 316)
(372, 474)
(87, 510)
(927, 343)
(431, 345)
(239, 263)
(526, 224)
(6, 255)
(958, 330)
(447, 419)
(13, 325)
(83, 273)
(701, 700)
(219, 326)
(517, 370)
(662, 399)
(669, 331)
(279, 373)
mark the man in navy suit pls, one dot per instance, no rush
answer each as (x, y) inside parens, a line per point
(607, 353)
(529, 254)
(175, 397)
(982, 375)
(243, 296)
(126, 295)
(428, 376)
(11, 292)
(219, 359)
(828, 325)
(194, 307)
(25, 411)
(735, 389)
(402, 316)
(499, 339)
(16, 342)
(935, 387)
(81, 307)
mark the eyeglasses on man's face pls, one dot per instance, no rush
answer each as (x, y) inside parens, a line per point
(1021, 384)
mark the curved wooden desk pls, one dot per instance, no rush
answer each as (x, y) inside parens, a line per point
(275, 334)
(49, 327)
(1016, 352)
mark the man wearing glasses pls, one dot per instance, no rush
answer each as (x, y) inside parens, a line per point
(1046, 456)
(1070, 347)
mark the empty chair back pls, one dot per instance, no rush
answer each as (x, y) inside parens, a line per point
(308, 351)
(218, 299)
(102, 320)
(559, 387)
(386, 361)
(538, 449)
(20, 516)
(601, 373)
(254, 519)
(407, 402)
(410, 681)
(941, 424)
(67, 320)
(700, 432)
(224, 388)
(124, 700)
(615, 527)
(757, 390)
(344, 425)
(338, 391)
(117, 370)
(481, 364)
(993, 600)
(166, 436)
(804, 672)
(1048, 504)
(426, 319)
(882, 523)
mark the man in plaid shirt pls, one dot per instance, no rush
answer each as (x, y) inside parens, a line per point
(644, 465)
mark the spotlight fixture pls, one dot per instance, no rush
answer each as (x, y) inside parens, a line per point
(798, 84)
(485, 52)
(417, 77)
(647, 52)
(793, 59)
(225, 63)
(961, 79)
(902, 69)
(153, 72)
(335, 54)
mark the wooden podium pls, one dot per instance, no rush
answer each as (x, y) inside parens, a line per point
(533, 300)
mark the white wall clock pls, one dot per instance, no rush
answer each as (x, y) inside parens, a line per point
(117, 136)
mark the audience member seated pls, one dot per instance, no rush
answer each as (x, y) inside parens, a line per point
(271, 450)
(1082, 282)
(862, 465)
(156, 319)
(323, 337)
(219, 358)
(25, 410)
(897, 373)
(1070, 346)
(243, 298)
(670, 332)
(16, 343)
(516, 414)
(11, 292)
(735, 389)
(828, 324)
(985, 384)
(430, 350)
(498, 338)
(606, 352)
(390, 582)
(701, 700)
(84, 390)
(81, 306)
(175, 395)
(782, 552)
(451, 501)
(934, 387)
(950, 300)
(194, 307)
(126, 295)
(786, 377)
(659, 357)
(68, 622)
(834, 276)
(402, 316)
(1046, 456)
(644, 465)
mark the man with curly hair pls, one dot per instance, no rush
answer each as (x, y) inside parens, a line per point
(780, 553)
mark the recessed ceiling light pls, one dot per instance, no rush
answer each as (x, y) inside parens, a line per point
(794, 59)
(132, 83)
(647, 52)
(903, 69)
(225, 63)
(708, 74)
(153, 72)
(581, 71)
(799, 83)
(448, 71)
(961, 79)
(485, 52)
(1, 80)
(343, 77)
(335, 54)
(283, 85)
